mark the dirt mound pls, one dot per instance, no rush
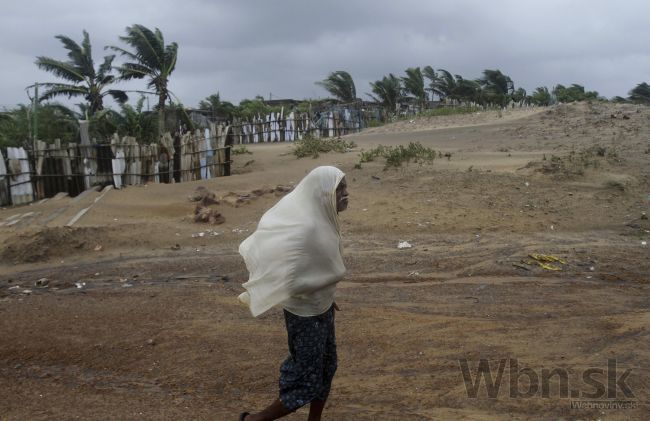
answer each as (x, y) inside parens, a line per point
(49, 243)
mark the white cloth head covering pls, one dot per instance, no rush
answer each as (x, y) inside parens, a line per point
(294, 256)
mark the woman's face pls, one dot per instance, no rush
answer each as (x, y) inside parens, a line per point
(342, 196)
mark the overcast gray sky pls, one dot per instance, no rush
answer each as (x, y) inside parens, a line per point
(262, 47)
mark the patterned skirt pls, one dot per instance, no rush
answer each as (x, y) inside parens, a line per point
(307, 373)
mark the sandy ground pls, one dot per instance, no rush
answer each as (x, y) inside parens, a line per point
(139, 318)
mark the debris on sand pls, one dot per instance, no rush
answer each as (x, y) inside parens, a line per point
(404, 245)
(204, 196)
(237, 199)
(279, 189)
(204, 214)
(42, 283)
(544, 261)
(204, 233)
(546, 258)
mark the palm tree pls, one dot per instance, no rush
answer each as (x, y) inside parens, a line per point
(414, 85)
(340, 85)
(151, 60)
(519, 95)
(387, 91)
(80, 71)
(468, 90)
(541, 96)
(641, 93)
(455, 87)
(445, 85)
(497, 86)
(217, 106)
(573, 93)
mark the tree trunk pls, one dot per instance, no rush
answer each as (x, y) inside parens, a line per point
(161, 116)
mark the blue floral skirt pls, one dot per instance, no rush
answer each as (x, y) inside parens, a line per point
(307, 373)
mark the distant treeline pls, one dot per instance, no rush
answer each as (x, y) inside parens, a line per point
(147, 57)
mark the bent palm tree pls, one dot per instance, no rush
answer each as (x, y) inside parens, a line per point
(497, 86)
(455, 87)
(414, 85)
(468, 90)
(445, 85)
(151, 59)
(641, 93)
(387, 91)
(80, 71)
(340, 85)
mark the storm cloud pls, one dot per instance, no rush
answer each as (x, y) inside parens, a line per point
(280, 48)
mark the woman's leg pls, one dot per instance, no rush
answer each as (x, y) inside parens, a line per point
(316, 410)
(330, 363)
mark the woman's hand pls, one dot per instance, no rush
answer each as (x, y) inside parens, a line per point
(336, 307)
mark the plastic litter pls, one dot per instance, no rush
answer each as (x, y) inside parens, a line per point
(547, 258)
(42, 283)
(544, 261)
(404, 245)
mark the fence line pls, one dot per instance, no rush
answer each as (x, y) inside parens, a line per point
(72, 168)
(204, 153)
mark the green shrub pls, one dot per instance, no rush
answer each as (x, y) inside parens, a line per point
(311, 146)
(395, 156)
(241, 150)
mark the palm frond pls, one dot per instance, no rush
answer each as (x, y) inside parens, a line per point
(430, 74)
(147, 47)
(106, 67)
(340, 85)
(134, 71)
(75, 53)
(122, 52)
(58, 89)
(80, 56)
(119, 96)
(107, 80)
(60, 69)
(171, 54)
